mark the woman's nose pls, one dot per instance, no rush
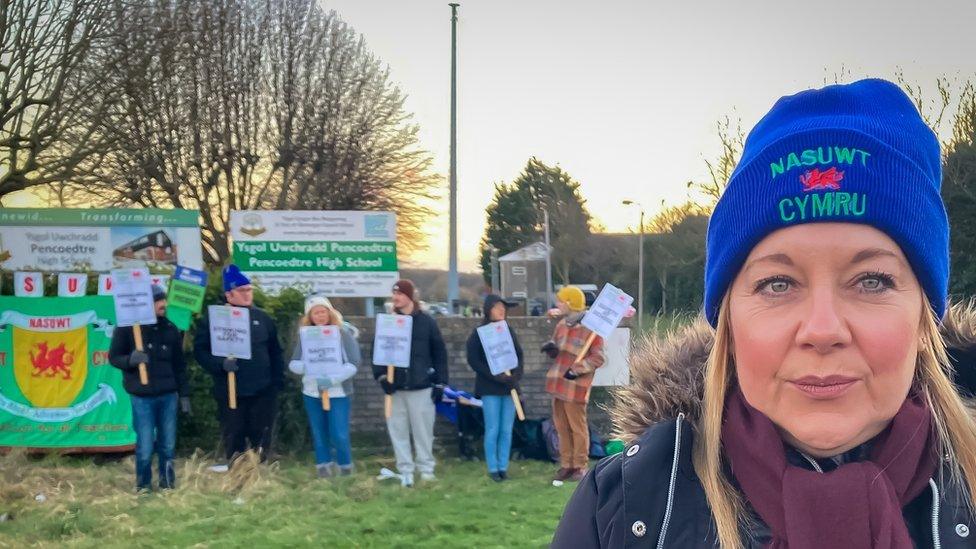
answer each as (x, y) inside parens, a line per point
(823, 327)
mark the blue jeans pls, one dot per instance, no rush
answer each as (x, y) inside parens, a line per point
(154, 420)
(330, 430)
(499, 414)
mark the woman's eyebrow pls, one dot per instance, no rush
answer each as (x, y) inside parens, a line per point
(780, 258)
(872, 253)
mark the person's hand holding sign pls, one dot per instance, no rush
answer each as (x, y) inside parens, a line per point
(388, 387)
(230, 364)
(138, 357)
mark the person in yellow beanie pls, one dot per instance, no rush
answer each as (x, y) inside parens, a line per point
(569, 381)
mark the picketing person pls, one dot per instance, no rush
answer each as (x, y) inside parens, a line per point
(330, 429)
(569, 379)
(154, 405)
(495, 391)
(258, 379)
(415, 389)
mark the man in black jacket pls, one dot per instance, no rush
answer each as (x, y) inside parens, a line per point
(153, 404)
(415, 389)
(258, 379)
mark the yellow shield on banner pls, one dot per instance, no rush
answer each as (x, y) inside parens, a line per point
(50, 367)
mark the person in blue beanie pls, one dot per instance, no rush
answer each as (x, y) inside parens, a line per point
(259, 379)
(812, 404)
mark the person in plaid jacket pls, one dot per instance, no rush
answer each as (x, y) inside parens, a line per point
(569, 380)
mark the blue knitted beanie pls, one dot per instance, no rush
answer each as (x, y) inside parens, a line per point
(234, 278)
(854, 153)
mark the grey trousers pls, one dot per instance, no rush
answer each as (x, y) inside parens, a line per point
(413, 415)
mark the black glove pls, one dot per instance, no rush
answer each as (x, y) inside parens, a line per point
(185, 406)
(436, 393)
(230, 364)
(137, 358)
(388, 387)
(507, 380)
(570, 374)
(550, 349)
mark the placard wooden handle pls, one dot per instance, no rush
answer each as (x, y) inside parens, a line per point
(388, 401)
(143, 372)
(232, 390)
(516, 401)
(586, 348)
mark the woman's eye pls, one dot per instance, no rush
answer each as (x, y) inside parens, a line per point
(773, 286)
(779, 286)
(876, 282)
(871, 283)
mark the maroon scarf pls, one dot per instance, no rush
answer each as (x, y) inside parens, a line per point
(856, 505)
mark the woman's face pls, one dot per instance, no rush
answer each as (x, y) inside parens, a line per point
(825, 321)
(497, 312)
(320, 315)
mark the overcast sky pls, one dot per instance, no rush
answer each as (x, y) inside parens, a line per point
(624, 95)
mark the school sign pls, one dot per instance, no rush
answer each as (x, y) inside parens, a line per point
(58, 239)
(333, 253)
(57, 388)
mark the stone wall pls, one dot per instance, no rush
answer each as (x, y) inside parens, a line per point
(367, 405)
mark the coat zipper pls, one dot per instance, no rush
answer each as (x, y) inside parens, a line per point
(674, 475)
(936, 541)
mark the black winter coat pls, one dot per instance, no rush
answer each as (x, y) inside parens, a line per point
(428, 356)
(163, 342)
(650, 495)
(264, 371)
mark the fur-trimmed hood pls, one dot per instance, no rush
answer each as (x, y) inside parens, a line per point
(667, 373)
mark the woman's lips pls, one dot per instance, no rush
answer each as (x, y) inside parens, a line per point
(824, 387)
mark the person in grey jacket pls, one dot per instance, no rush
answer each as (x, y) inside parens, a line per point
(330, 429)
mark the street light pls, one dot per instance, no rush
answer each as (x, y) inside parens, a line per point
(640, 267)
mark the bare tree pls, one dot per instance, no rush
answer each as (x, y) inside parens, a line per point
(732, 139)
(246, 104)
(51, 97)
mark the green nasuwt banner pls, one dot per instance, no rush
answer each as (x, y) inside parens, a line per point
(57, 388)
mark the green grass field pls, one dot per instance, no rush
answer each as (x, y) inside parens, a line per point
(93, 505)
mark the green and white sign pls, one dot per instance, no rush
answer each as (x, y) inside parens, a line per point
(61, 239)
(333, 253)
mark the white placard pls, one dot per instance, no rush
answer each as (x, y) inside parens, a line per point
(615, 371)
(28, 284)
(607, 311)
(230, 331)
(72, 284)
(391, 346)
(496, 340)
(132, 294)
(321, 351)
(160, 280)
(104, 284)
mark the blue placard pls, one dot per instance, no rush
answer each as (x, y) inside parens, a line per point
(190, 276)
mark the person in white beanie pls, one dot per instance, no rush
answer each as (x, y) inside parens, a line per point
(330, 429)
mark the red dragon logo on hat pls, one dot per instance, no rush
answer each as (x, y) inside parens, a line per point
(815, 179)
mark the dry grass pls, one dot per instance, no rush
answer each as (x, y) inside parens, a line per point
(59, 501)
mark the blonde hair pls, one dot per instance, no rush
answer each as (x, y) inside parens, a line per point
(335, 317)
(954, 426)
